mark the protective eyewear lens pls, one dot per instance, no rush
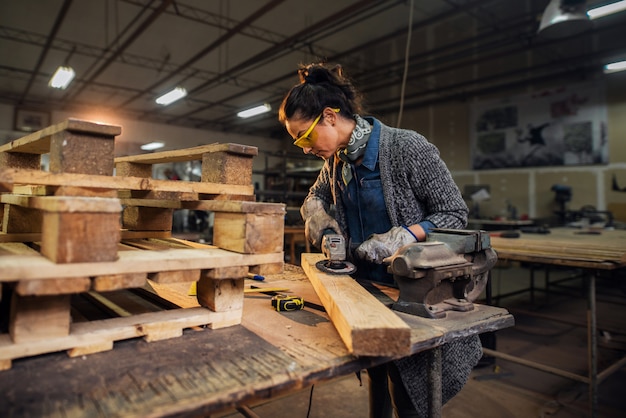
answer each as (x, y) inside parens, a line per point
(304, 140)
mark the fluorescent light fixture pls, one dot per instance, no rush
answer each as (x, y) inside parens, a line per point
(607, 9)
(62, 77)
(172, 96)
(152, 146)
(253, 111)
(615, 67)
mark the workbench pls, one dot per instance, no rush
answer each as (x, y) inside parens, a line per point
(210, 370)
(594, 252)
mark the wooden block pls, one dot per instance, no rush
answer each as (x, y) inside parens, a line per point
(74, 237)
(81, 153)
(129, 169)
(36, 318)
(179, 276)
(270, 268)
(64, 286)
(108, 282)
(227, 167)
(367, 327)
(136, 218)
(20, 160)
(90, 349)
(220, 295)
(249, 233)
(17, 219)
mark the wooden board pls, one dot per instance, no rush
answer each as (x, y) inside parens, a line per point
(34, 266)
(39, 142)
(367, 327)
(96, 336)
(10, 176)
(188, 154)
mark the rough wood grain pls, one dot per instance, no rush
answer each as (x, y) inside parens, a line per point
(566, 245)
(188, 154)
(10, 176)
(35, 266)
(39, 142)
(367, 327)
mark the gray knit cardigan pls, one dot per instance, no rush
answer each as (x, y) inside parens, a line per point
(417, 186)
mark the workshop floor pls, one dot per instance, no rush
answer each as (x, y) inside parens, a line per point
(502, 389)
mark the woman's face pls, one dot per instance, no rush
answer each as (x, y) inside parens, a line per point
(316, 136)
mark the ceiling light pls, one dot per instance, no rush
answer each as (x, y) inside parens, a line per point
(253, 111)
(563, 18)
(152, 146)
(172, 96)
(615, 67)
(62, 77)
(606, 10)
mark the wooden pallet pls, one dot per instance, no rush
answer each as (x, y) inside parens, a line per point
(78, 228)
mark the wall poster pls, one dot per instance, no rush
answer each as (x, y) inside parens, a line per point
(559, 127)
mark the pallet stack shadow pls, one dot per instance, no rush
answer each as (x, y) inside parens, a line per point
(78, 228)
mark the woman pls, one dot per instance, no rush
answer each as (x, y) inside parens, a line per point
(382, 188)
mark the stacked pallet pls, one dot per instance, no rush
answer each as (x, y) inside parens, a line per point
(77, 228)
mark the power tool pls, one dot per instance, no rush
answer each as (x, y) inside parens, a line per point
(446, 272)
(334, 249)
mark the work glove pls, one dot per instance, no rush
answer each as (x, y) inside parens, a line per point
(316, 221)
(380, 246)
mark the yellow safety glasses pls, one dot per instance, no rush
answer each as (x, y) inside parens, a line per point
(307, 139)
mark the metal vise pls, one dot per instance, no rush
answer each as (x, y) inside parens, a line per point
(446, 272)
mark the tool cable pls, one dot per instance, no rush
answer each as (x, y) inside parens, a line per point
(406, 62)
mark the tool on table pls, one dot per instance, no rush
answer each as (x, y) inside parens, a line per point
(283, 303)
(446, 272)
(334, 249)
(256, 277)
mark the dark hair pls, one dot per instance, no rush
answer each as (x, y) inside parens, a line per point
(321, 85)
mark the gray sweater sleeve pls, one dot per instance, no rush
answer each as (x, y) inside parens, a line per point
(417, 183)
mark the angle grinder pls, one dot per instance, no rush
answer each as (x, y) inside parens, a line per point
(334, 249)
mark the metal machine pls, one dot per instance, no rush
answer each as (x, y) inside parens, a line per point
(446, 272)
(334, 249)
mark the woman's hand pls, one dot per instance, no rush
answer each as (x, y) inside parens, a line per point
(316, 221)
(380, 246)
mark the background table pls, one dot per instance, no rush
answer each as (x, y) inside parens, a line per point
(592, 251)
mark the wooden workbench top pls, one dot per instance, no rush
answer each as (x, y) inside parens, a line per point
(210, 370)
(598, 249)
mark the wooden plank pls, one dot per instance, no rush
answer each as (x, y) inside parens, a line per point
(61, 286)
(39, 142)
(103, 332)
(108, 282)
(64, 203)
(366, 326)
(10, 176)
(26, 267)
(188, 154)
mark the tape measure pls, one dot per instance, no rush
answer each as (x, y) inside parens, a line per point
(283, 303)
